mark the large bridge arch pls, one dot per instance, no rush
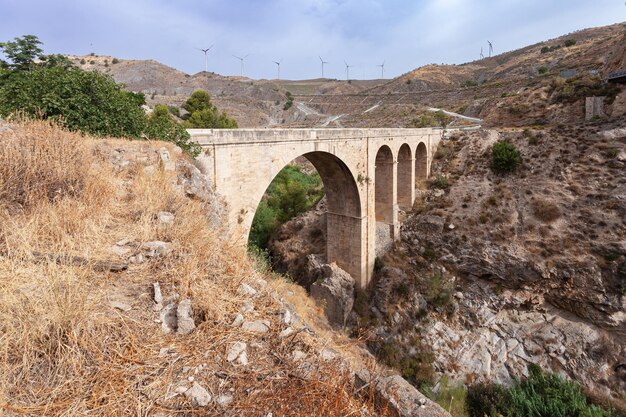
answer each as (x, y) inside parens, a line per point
(344, 216)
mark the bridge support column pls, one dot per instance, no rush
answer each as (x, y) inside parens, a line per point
(346, 244)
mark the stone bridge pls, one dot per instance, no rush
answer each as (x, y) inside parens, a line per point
(368, 175)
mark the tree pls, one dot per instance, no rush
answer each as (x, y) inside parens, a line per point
(202, 113)
(161, 126)
(22, 52)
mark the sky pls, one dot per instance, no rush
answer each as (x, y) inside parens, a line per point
(402, 34)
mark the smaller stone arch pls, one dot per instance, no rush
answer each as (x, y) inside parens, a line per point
(421, 162)
(383, 180)
(406, 190)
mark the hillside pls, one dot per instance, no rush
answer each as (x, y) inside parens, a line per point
(512, 88)
(119, 297)
(493, 272)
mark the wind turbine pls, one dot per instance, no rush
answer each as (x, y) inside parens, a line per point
(382, 70)
(347, 70)
(323, 62)
(490, 48)
(206, 61)
(241, 59)
(278, 65)
(481, 53)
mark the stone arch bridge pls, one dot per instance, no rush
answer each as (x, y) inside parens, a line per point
(368, 175)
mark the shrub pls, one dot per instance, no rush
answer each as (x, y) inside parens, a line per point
(81, 100)
(546, 394)
(161, 126)
(469, 83)
(505, 158)
(115, 61)
(486, 399)
(175, 111)
(542, 70)
(612, 153)
(570, 42)
(202, 113)
(546, 211)
(438, 292)
(83, 62)
(289, 102)
(440, 182)
(577, 88)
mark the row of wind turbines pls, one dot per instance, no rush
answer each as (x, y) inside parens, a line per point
(242, 59)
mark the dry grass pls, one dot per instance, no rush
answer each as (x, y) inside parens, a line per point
(64, 351)
(545, 210)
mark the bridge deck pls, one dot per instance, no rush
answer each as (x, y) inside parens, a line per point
(617, 77)
(233, 136)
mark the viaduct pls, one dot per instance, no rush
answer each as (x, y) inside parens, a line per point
(368, 175)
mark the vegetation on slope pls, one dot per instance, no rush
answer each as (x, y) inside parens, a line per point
(540, 395)
(50, 87)
(292, 192)
(66, 350)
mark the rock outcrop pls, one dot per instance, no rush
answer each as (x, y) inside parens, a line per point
(335, 291)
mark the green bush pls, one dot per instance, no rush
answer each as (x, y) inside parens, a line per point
(486, 399)
(292, 192)
(540, 395)
(542, 70)
(161, 126)
(289, 102)
(115, 61)
(505, 158)
(438, 291)
(570, 42)
(81, 100)
(202, 113)
(549, 395)
(577, 88)
(440, 182)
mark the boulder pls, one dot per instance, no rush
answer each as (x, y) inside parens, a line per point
(165, 217)
(156, 248)
(430, 225)
(198, 396)
(335, 291)
(257, 326)
(184, 316)
(401, 397)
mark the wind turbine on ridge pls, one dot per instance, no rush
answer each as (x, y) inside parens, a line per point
(490, 48)
(241, 59)
(382, 70)
(206, 60)
(323, 62)
(347, 70)
(278, 65)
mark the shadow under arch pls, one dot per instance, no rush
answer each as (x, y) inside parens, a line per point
(405, 185)
(421, 162)
(345, 223)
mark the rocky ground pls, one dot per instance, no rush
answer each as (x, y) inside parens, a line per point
(495, 272)
(118, 297)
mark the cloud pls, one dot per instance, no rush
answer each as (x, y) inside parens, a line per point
(406, 34)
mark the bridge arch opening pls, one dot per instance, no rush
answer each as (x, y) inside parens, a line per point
(384, 199)
(344, 223)
(383, 180)
(421, 164)
(405, 178)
